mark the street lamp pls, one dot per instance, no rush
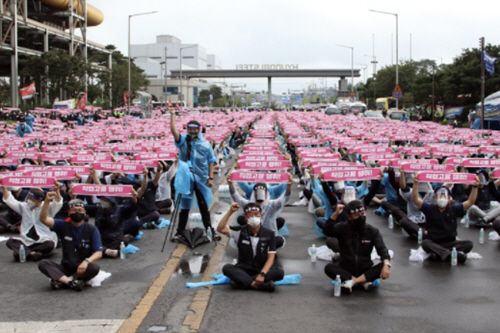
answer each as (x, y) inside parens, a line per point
(352, 65)
(180, 68)
(129, 17)
(397, 64)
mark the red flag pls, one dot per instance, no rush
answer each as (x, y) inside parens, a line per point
(176, 105)
(169, 103)
(83, 102)
(28, 92)
(125, 99)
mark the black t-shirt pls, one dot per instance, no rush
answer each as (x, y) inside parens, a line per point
(146, 204)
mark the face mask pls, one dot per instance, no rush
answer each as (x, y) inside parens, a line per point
(193, 136)
(31, 204)
(260, 195)
(254, 221)
(105, 204)
(442, 202)
(359, 223)
(339, 186)
(76, 217)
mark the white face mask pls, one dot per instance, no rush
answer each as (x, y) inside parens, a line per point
(339, 186)
(31, 204)
(442, 202)
(105, 204)
(253, 221)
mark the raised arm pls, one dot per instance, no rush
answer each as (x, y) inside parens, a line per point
(417, 200)
(175, 132)
(44, 213)
(472, 196)
(144, 185)
(222, 227)
(158, 173)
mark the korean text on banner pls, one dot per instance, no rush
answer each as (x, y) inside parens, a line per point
(103, 190)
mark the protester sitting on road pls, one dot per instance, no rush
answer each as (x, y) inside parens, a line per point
(441, 222)
(270, 208)
(164, 196)
(481, 213)
(23, 128)
(12, 220)
(256, 251)
(81, 247)
(356, 242)
(147, 212)
(37, 240)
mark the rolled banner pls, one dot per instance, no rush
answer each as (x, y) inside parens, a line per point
(29, 182)
(56, 156)
(311, 156)
(57, 174)
(442, 177)
(318, 150)
(90, 158)
(263, 165)
(135, 169)
(481, 163)
(416, 167)
(81, 170)
(375, 150)
(306, 141)
(28, 167)
(260, 177)
(252, 157)
(401, 137)
(333, 163)
(145, 163)
(11, 174)
(363, 174)
(32, 156)
(413, 150)
(167, 149)
(262, 152)
(103, 190)
(454, 160)
(419, 161)
(375, 157)
(258, 148)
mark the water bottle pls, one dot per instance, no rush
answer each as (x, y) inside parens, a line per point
(313, 253)
(22, 254)
(219, 172)
(209, 234)
(466, 221)
(481, 236)
(122, 251)
(420, 235)
(235, 261)
(454, 258)
(336, 288)
(391, 222)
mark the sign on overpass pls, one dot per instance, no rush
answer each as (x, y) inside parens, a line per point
(242, 73)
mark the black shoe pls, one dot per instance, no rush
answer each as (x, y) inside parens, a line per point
(36, 256)
(461, 257)
(16, 256)
(234, 285)
(266, 286)
(378, 213)
(56, 285)
(77, 285)
(176, 237)
(481, 223)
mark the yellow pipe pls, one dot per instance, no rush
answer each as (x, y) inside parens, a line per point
(94, 15)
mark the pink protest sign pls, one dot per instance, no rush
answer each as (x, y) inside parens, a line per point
(250, 157)
(481, 163)
(55, 156)
(90, 158)
(119, 167)
(28, 167)
(489, 149)
(145, 163)
(11, 174)
(414, 167)
(454, 160)
(56, 148)
(318, 150)
(309, 156)
(362, 174)
(262, 152)
(156, 156)
(496, 173)
(263, 165)
(9, 161)
(258, 148)
(260, 177)
(323, 169)
(306, 141)
(254, 141)
(401, 137)
(451, 149)
(57, 174)
(332, 163)
(29, 182)
(414, 150)
(419, 161)
(166, 149)
(374, 157)
(129, 149)
(374, 150)
(32, 156)
(478, 142)
(103, 190)
(459, 178)
(81, 170)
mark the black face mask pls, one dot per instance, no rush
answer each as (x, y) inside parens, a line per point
(359, 223)
(192, 136)
(76, 217)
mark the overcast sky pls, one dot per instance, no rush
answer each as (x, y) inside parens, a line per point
(304, 32)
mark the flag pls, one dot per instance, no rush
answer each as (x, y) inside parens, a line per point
(489, 63)
(28, 92)
(211, 97)
(125, 99)
(243, 100)
(253, 99)
(83, 102)
(260, 99)
(169, 103)
(283, 99)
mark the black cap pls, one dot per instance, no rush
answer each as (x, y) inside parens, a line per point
(355, 206)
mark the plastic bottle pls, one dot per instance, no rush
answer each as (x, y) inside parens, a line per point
(391, 222)
(313, 253)
(235, 261)
(209, 234)
(336, 288)
(22, 254)
(122, 251)
(454, 258)
(481, 236)
(466, 221)
(420, 235)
